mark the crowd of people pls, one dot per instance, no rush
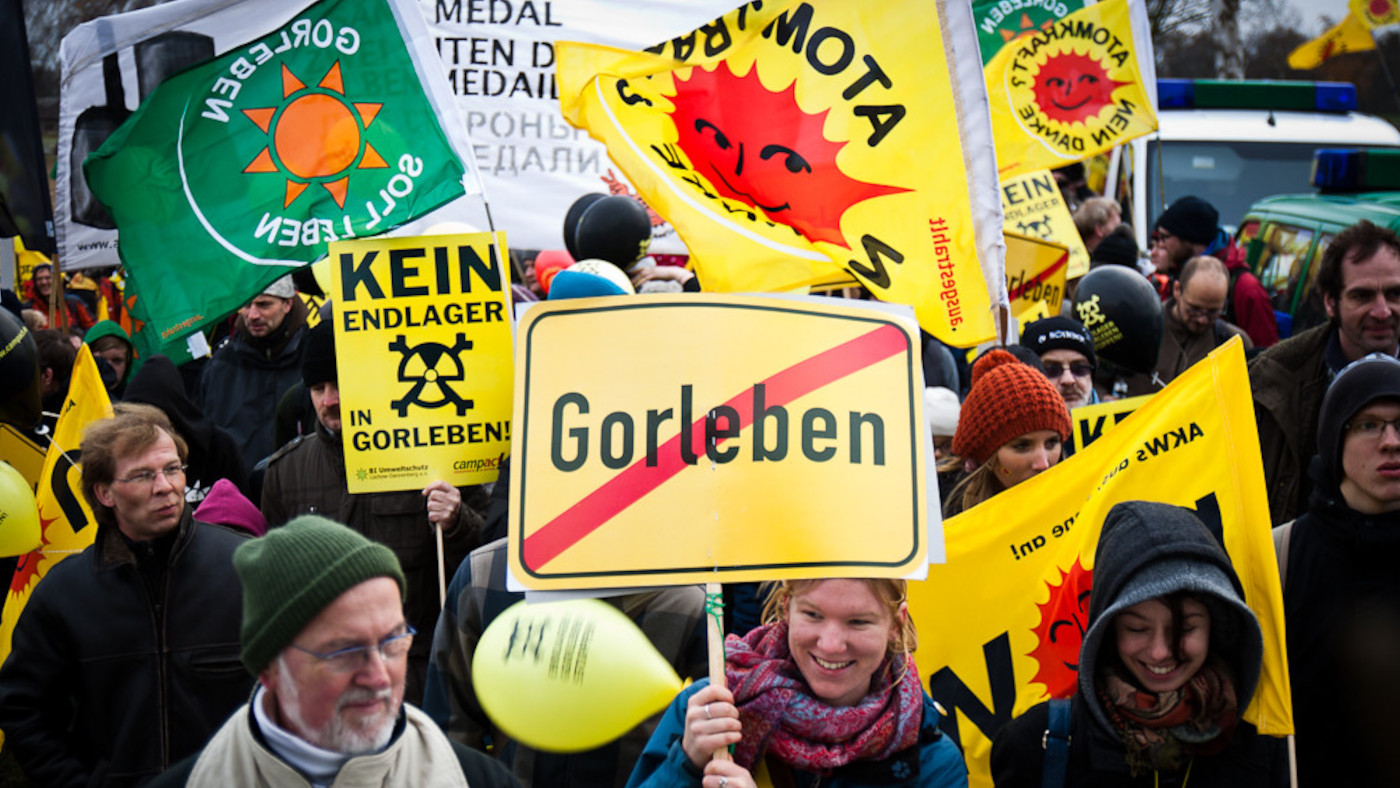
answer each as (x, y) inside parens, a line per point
(243, 619)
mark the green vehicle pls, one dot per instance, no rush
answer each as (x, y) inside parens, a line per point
(1286, 235)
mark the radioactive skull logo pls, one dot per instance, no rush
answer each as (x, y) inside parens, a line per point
(431, 367)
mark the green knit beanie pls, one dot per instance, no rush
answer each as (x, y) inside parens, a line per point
(290, 575)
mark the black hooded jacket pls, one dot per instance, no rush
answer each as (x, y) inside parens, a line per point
(1341, 599)
(213, 452)
(1147, 550)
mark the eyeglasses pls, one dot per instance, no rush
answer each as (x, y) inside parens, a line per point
(1372, 428)
(1161, 236)
(1195, 311)
(148, 478)
(349, 660)
(1080, 369)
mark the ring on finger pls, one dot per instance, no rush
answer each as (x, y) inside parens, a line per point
(723, 781)
(710, 716)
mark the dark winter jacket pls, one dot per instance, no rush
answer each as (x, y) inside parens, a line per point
(1289, 381)
(1148, 550)
(1341, 600)
(307, 476)
(107, 685)
(213, 453)
(242, 384)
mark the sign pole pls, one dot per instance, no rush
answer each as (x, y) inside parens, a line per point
(442, 569)
(714, 626)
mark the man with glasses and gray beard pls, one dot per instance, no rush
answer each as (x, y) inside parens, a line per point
(324, 631)
(125, 658)
(1192, 324)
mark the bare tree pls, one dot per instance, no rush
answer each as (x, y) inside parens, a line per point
(1226, 40)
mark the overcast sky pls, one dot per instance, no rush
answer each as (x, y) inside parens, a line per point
(1309, 13)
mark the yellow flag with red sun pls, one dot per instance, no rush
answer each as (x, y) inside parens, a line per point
(1375, 13)
(799, 142)
(1347, 36)
(1073, 91)
(1010, 606)
(65, 518)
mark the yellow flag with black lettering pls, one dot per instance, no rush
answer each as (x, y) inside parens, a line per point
(791, 142)
(1073, 91)
(1010, 606)
(65, 518)
(1348, 35)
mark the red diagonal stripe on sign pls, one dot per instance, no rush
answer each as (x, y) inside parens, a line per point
(1040, 277)
(637, 479)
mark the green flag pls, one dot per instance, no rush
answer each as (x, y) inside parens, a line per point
(243, 166)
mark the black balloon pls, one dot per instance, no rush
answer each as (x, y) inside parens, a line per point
(571, 220)
(1124, 315)
(20, 402)
(615, 228)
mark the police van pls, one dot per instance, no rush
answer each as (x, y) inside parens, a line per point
(1234, 142)
(1285, 235)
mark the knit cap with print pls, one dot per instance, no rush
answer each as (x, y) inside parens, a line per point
(1008, 399)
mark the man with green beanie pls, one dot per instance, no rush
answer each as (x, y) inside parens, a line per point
(324, 631)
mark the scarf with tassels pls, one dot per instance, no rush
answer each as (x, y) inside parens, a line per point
(781, 717)
(1164, 730)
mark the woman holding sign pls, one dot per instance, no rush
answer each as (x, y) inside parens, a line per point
(1169, 662)
(1010, 428)
(824, 692)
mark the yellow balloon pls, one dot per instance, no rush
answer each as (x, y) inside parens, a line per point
(569, 676)
(19, 515)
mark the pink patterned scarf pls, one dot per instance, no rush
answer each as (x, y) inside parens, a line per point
(781, 717)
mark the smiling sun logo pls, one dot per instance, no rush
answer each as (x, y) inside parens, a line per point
(1072, 88)
(1064, 618)
(758, 147)
(315, 136)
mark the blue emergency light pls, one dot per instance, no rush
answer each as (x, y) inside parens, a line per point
(1256, 94)
(1356, 169)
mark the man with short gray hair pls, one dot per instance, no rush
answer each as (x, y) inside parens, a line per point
(324, 631)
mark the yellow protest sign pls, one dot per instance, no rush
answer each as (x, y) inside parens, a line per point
(1375, 13)
(65, 519)
(1034, 207)
(1073, 91)
(790, 141)
(422, 332)
(1092, 421)
(1035, 275)
(727, 454)
(1010, 603)
(18, 448)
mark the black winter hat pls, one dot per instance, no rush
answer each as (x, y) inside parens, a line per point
(1115, 249)
(1191, 219)
(1059, 333)
(318, 355)
(1360, 383)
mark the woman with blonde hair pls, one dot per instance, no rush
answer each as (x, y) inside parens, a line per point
(1011, 427)
(825, 691)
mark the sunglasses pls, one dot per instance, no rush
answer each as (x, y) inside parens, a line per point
(1080, 369)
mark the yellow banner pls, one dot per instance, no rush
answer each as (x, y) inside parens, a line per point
(1092, 421)
(66, 520)
(18, 449)
(1034, 207)
(794, 141)
(1348, 35)
(1070, 92)
(1375, 13)
(422, 336)
(706, 461)
(1035, 276)
(1008, 609)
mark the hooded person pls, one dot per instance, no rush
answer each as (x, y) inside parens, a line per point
(1341, 592)
(214, 453)
(110, 342)
(1170, 660)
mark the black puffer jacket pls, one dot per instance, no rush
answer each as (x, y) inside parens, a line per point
(246, 378)
(1148, 550)
(106, 685)
(1289, 381)
(307, 476)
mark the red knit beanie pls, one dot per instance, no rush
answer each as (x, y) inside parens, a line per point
(1008, 399)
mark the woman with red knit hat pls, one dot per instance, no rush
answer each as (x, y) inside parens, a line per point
(1010, 429)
